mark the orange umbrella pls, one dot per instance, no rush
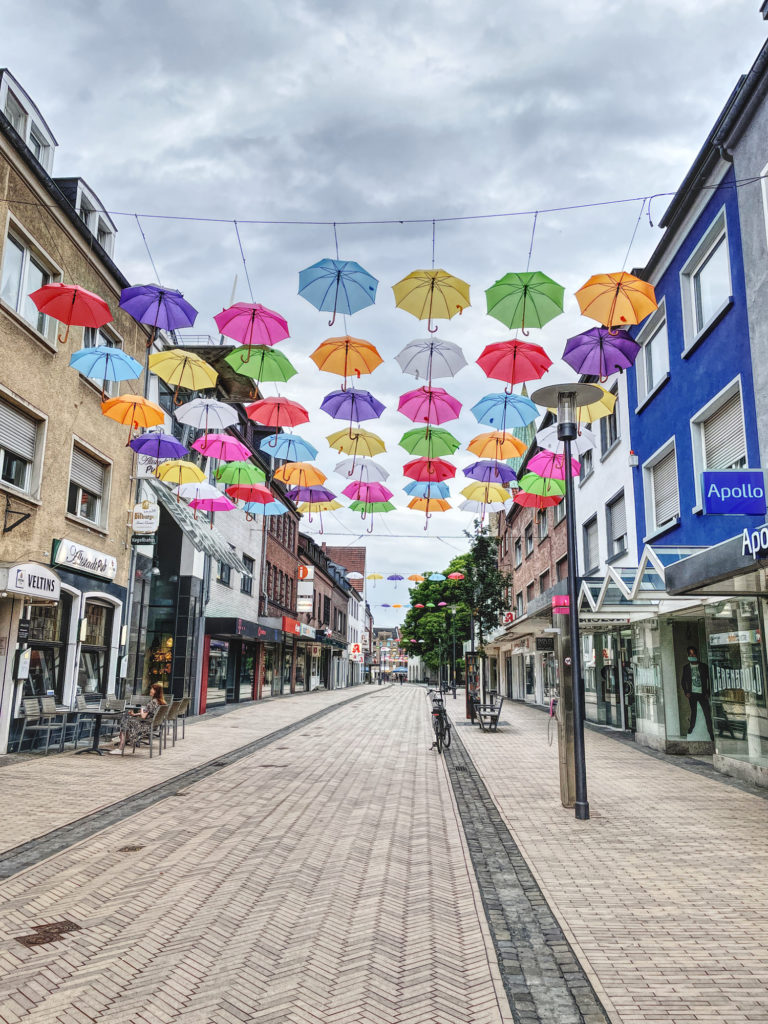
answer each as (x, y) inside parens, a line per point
(300, 474)
(429, 505)
(616, 299)
(346, 356)
(134, 410)
(497, 445)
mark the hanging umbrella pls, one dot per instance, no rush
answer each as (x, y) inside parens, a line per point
(157, 446)
(368, 508)
(431, 295)
(539, 501)
(352, 405)
(428, 506)
(601, 352)
(374, 576)
(430, 604)
(367, 492)
(418, 606)
(416, 578)
(183, 369)
(455, 575)
(201, 489)
(102, 362)
(337, 286)
(616, 299)
(158, 307)
(550, 464)
(362, 443)
(366, 469)
(133, 410)
(596, 410)
(429, 405)
(206, 414)
(479, 508)
(261, 363)
(491, 471)
(277, 412)
(288, 446)
(514, 361)
(584, 441)
(222, 446)
(204, 497)
(427, 489)
(347, 357)
(254, 508)
(546, 486)
(429, 469)
(252, 493)
(310, 493)
(442, 604)
(179, 472)
(529, 299)
(240, 473)
(496, 445)
(220, 504)
(436, 577)
(429, 441)
(396, 577)
(486, 492)
(431, 359)
(74, 306)
(505, 411)
(250, 323)
(300, 474)
(355, 575)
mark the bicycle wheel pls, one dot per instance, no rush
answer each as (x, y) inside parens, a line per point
(438, 727)
(447, 736)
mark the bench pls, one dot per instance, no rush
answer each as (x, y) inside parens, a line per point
(488, 714)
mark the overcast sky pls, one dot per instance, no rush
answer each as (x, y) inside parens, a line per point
(320, 111)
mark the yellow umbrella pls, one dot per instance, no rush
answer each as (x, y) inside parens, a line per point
(431, 295)
(362, 442)
(133, 410)
(616, 299)
(346, 356)
(374, 576)
(318, 506)
(179, 471)
(602, 407)
(486, 493)
(183, 369)
(497, 445)
(300, 474)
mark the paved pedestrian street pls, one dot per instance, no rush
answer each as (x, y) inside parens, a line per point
(314, 862)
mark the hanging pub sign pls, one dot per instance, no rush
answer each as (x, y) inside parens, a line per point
(545, 643)
(71, 555)
(146, 517)
(733, 492)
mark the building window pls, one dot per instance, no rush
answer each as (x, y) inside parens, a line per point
(661, 492)
(586, 466)
(706, 280)
(529, 539)
(542, 524)
(559, 512)
(246, 578)
(653, 361)
(87, 487)
(561, 568)
(519, 603)
(224, 575)
(591, 553)
(718, 435)
(530, 593)
(518, 552)
(326, 611)
(616, 525)
(24, 272)
(609, 425)
(15, 114)
(94, 337)
(544, 582)
(18, 446)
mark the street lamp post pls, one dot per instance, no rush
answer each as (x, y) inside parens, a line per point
(453, 650)
(567, 398)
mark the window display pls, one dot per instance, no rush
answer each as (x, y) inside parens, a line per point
(647, 681)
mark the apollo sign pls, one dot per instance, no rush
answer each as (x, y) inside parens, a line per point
(734, 492)
(755, 543)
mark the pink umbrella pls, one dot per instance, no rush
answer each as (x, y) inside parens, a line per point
(429, 469)
(367, 492)
(429, 405)
(222, 446)
(250, 323)
(552, 465)
(220, 504)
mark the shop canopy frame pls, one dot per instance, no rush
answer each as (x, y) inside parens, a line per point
(205, 537)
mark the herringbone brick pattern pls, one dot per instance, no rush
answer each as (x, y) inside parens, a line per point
(321, 881)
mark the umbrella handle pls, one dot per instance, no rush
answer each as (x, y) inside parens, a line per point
(63, 341)
(152, 336)
(371, 531)
(333, 320)
(249, 518)
(320, 513)
(176, 399)
(432, 330)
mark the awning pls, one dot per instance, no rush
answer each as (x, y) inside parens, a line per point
(199, 531)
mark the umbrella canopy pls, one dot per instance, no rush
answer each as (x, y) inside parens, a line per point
(288, 446)
(161, 308)
(485, 492)
(616, 299)
(431, 295)
(274, 508)
(222, 446)
(600, 351)
(436, 577)
(367, 492)
(308, 507)
(157, 446)
(455, 575)
(250, 323)
(368, 507)
(503, 411)
(529, 500)
(543, 486)
(429, 505)
(191, 491)
(179, 472)
(374, 576)
(219, 504)
(429, 405)
(514, 361)
(277, 412)
(355, 576)
(183, 369)
(496, 445)
(431, 359)
(479, 508)
(262, 363)
(352, 405)
(72, 305)
(429, 441)
(358, 443)
(427, 489)
(103, 362)
(583, 442)
(252, 493)
(133, 410)
(416, 578)
(311, 494)
(240, 473)
(300, 474)
(491, 471)
(364, 469)
(529, 299)
(602, 407)
(429, 469)
(337, 286)
(395, 576)
(552, 465)
(206, 414)
(347, 356)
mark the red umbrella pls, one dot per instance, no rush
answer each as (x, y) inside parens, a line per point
(514, 361)
(429, 469)
(536, 500)
(277, 412)
(251, 492)
(71, 305)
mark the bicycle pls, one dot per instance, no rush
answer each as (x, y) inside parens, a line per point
(440, 722)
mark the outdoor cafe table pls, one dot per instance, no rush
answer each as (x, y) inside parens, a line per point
(98, 714)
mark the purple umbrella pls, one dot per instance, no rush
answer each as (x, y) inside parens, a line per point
(599, 352)
(312, 494)
(160, 307)
(489, 471)
(158, 446)
(352, 405)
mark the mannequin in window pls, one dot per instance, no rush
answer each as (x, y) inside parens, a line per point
(695, 684)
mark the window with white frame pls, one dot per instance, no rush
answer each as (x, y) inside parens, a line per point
(24, 271)
(541, 523)
(87, 486)
(18, 447)
(559, 511)
(616, 525)
(706, 280)
(591, 555)
(246, 579)
(586, 465)
(661, 490)
(16, 114)
(518, 552)
(529, 540)
(609, 425)
(653, 359)
(519, 603)
(97, 337)
(25, 119)
(718, 435)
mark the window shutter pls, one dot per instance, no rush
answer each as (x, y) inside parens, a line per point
(18, 432)
(666, 504)
(723, 436)
(618, 519)
(87, 473)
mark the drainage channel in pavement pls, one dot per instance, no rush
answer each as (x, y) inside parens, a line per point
(542, 976)
(18, 858)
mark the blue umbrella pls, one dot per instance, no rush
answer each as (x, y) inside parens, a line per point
(436, 576)
(337, 286)
(158, 446)
(427, 489)
(489, 471)
(272, 508)
(105, 363)
(505, 411)
(288, 446)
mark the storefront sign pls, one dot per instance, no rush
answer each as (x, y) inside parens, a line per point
(734, 492)
(291, 626)
(306, 572)
(304, 603)
(355, 652)
(22, 631)
(749, 679)
(561, 604)
(71, 555)
(146, 517)
(306, 631)
(755, 543)
(31, 580)
(545, 643)
(508, 618)
(268, 635)
(146, 539)
(740, 636)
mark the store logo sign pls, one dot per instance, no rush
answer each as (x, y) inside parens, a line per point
(755, 543)
(734, 492)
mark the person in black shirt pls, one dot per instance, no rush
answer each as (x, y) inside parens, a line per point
(695, 684)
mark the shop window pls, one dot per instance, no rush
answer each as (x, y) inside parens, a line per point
(24, 271)
(98, 337)
(48, 635)
(93, 670)
(541, 524)
(653, 361)
(518, 552)
(662, 500)
(616, 525)
(718, 435)
(18, 447)
(609, 425)
(246, 579)
(591, 552)
(87, 487)
(706, 281)
(529, 540)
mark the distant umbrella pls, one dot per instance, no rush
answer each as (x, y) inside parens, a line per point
(429, 405)
(362, 469)
(514, 361)
(206, 414)
(221, 446)
(288, 446)
(427, 489)
(529, 299)
(429, 441)
(431, 295)
(550, 464)
(504, 411)
(491, 471)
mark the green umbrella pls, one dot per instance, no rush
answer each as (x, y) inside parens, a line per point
(371, 506)
(260, 362)
(529, 299)
(431, 442)
(430, 604)
(541, 485)
(240, 474)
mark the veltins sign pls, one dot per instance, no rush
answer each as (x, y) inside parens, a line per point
(146, 517)
(71, 555)
(734, 492)
(31, 580)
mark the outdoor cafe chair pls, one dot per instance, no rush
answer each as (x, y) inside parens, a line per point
(155, 730)
(181, 717)
(171, 720)
(39, 719)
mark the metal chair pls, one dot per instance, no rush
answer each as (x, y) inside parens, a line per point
(171, 720)
(181, 717)
(154, 727)
(38, 719)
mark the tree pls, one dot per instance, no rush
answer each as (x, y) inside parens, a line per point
(484, 582)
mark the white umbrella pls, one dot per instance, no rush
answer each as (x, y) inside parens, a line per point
(480, 508)
(583, 442)
(431, 359)
(355, 576)
(363, 469)
(207, 414)
(202, 490)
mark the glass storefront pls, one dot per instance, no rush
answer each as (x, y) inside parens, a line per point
(93, 669)
(218, 670)
(550, 676)
(48, 631)
(646, 680)
(287, 667)
(248, 662)
(271, 684)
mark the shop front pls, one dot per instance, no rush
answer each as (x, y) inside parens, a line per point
(231, 658)
(524, 656)
(304, 658)
(291, 633)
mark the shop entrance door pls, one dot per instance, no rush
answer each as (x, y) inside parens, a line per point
(627, 679)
